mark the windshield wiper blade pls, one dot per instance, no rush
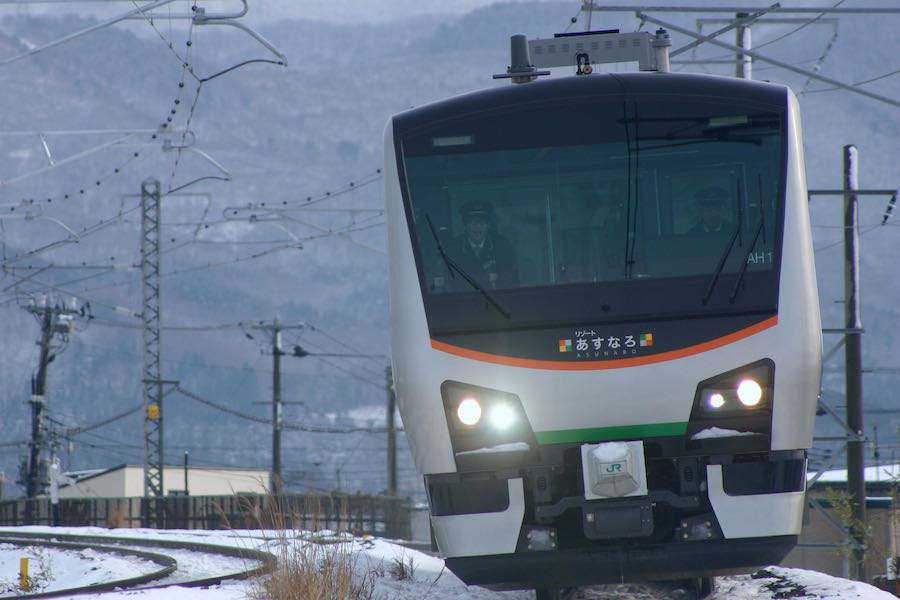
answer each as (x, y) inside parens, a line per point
(715, 278)
(760, 229)
(740, 277)
(469, 279)
(734, 236)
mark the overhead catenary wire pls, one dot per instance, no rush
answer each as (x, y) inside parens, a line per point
(103, 224)
(286, 425)
(81, 280)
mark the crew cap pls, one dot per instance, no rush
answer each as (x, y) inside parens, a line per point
(476, 209)
(711, 196)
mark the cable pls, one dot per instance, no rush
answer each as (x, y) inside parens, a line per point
(222, 408)
(84, 428)
(820, 61)
(857, 83)
(182, 60)
(838, 243)
(803, 26)
(788, 34)
(286, 425)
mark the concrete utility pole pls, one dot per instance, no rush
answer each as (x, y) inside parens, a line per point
(277, 410)
(34, 483)
(55, 320)
(852, 341)
(744, 41)
(856, 482)
(274, 329)
(391, 431)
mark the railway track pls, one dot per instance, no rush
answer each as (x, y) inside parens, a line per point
(663, 590)
(169, 562)
(639, 591)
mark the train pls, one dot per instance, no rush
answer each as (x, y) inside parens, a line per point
(606, 339)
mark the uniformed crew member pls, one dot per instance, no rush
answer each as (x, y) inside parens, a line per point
(711, 207)
(486, 256)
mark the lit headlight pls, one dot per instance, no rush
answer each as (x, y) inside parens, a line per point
(469, 411)
(716, 400)
(749, 392)
(486, 424)
(740, 401)
(502, 416)
(744, 390)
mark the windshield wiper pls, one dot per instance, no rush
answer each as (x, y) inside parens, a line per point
(734, 236)
(455, 267)
(760, 229)
(633, 174)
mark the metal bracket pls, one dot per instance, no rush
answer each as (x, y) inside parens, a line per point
(757, 56)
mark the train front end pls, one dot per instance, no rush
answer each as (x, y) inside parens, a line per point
(605, 326)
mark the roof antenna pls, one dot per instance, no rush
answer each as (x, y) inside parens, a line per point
(520, 70)
(661, 44)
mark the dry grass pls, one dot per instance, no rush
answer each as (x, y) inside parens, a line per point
(310, 567)
(313, 571)
(403, 568)
(118, 518)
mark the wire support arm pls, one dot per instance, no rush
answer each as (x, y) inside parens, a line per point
(86, 31)
(749, 19)
(757, 56)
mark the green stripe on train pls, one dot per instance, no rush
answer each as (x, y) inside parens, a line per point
(606, 434)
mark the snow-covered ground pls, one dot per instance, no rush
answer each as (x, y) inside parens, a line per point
(429, 580)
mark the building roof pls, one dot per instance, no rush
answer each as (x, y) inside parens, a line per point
(884, 474)
(87, 474)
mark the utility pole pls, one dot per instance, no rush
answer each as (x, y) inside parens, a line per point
(152, 378)
(743, 41)
(391, 431)
(856, 482)
(55, 320)
(852, 334)
(34, 483)
(277, 410)
(274, 329)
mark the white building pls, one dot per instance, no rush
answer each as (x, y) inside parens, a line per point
(127, 481)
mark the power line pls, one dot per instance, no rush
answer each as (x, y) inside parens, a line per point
(863, 82)
(287, 425)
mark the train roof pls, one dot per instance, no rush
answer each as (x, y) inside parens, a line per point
(634, 85)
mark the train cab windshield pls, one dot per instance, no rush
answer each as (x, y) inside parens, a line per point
(595, 209)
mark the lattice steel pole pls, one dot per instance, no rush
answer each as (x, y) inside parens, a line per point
(153, 415)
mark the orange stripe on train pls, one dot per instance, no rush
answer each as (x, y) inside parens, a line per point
(595, 365)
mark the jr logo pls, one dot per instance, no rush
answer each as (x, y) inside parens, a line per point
(614, 468)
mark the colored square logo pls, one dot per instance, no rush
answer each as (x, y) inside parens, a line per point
(646, 339)
(565, 345)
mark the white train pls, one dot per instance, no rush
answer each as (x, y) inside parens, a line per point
(606, 334)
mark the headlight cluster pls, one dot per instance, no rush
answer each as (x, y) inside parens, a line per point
(501, 416)
(738, 401)
(483, 419)
(743, 390)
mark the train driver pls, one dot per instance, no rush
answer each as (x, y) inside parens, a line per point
(485, 255)
(712, 203)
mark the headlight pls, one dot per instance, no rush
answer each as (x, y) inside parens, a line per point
(716, 400)
(502, 416)
(749, 392)
(738, 401)
(485, 424)
(469, 411)
(737, 392)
